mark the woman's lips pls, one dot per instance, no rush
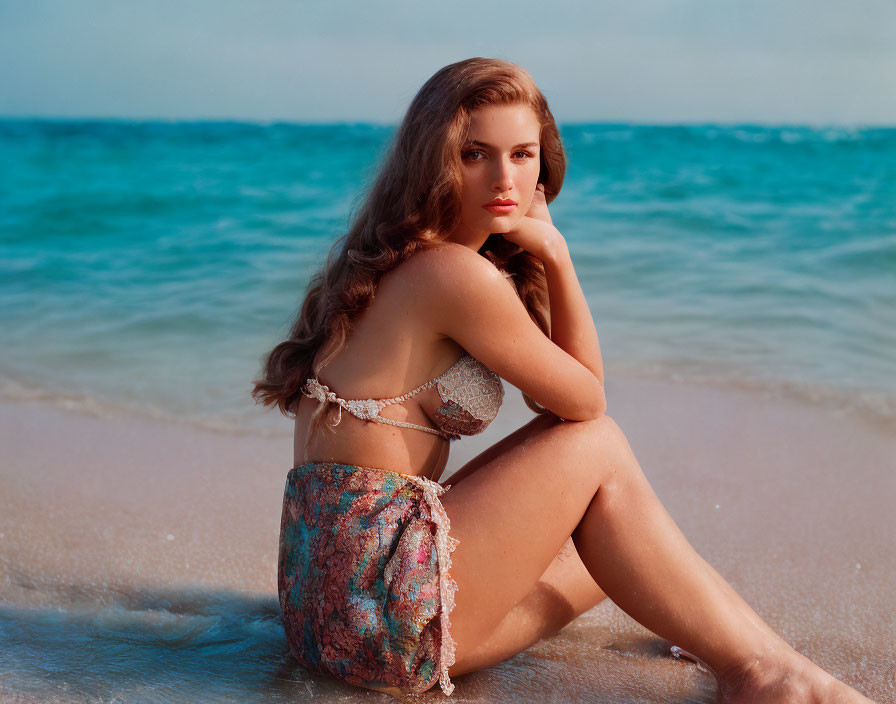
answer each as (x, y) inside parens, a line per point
(500, 209)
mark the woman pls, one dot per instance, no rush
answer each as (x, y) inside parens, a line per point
(399, 348)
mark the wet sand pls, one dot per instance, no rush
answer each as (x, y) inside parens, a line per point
(107, 525)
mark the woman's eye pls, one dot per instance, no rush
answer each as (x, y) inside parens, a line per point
(470, 154)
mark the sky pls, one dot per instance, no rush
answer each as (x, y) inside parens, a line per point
(649, 61)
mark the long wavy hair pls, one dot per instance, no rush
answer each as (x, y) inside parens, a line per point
(413, 204)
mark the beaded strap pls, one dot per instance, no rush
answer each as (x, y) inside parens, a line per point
(369, 409)
(406, 424)
(365, 409)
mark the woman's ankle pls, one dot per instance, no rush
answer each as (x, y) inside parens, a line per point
(786, 674)
(756, 655)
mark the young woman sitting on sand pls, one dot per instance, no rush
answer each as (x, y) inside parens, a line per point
(400, 347)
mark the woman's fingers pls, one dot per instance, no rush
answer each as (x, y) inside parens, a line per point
(538, 209)
(534, 235)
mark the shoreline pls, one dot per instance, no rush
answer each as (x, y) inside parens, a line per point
(789, 502)
(876, 407)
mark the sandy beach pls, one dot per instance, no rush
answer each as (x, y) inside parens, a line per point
(161, 540)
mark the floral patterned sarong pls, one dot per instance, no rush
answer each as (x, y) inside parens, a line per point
(363, 576)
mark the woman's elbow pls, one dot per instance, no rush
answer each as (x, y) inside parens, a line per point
(599, 402)
(592, 412)
(593, 408)
(589, 405)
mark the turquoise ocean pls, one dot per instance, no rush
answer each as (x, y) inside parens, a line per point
(146, 267)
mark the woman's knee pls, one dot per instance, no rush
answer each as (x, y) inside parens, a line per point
(607, 448)
(602, 432)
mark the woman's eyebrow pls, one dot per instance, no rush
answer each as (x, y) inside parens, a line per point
(490, 146)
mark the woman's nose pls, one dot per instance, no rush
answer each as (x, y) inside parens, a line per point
(502, 178)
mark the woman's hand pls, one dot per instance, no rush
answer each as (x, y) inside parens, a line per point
(538, 209)
(535, 231)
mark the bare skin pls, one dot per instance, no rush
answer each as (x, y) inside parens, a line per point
(559, 514)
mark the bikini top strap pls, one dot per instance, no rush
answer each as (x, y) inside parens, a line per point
(367, 407)
(322, 393)
(404, 397)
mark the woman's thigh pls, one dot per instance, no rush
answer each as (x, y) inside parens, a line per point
(564, 591)
(514, 513)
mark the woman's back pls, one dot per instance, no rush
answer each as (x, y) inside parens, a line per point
(392, 350)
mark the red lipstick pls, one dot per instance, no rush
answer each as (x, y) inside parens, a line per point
(500, 206)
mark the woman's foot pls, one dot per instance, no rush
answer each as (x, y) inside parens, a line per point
(774, 681)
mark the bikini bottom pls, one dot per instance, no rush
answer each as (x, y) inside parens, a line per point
(363, 576)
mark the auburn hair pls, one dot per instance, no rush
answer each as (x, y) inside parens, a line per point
(413, 204)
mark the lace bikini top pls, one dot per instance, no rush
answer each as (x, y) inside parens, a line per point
(471, 396)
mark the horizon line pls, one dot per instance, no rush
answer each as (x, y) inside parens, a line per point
(380, 123)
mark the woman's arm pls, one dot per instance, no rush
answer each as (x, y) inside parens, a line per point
(572, 326)
(467, 299)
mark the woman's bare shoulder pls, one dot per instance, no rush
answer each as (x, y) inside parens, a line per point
(430, 283)
(449, 264)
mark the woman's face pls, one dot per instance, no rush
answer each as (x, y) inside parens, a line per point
(499, 160)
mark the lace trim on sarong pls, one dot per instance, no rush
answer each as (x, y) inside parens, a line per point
(445, 545)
